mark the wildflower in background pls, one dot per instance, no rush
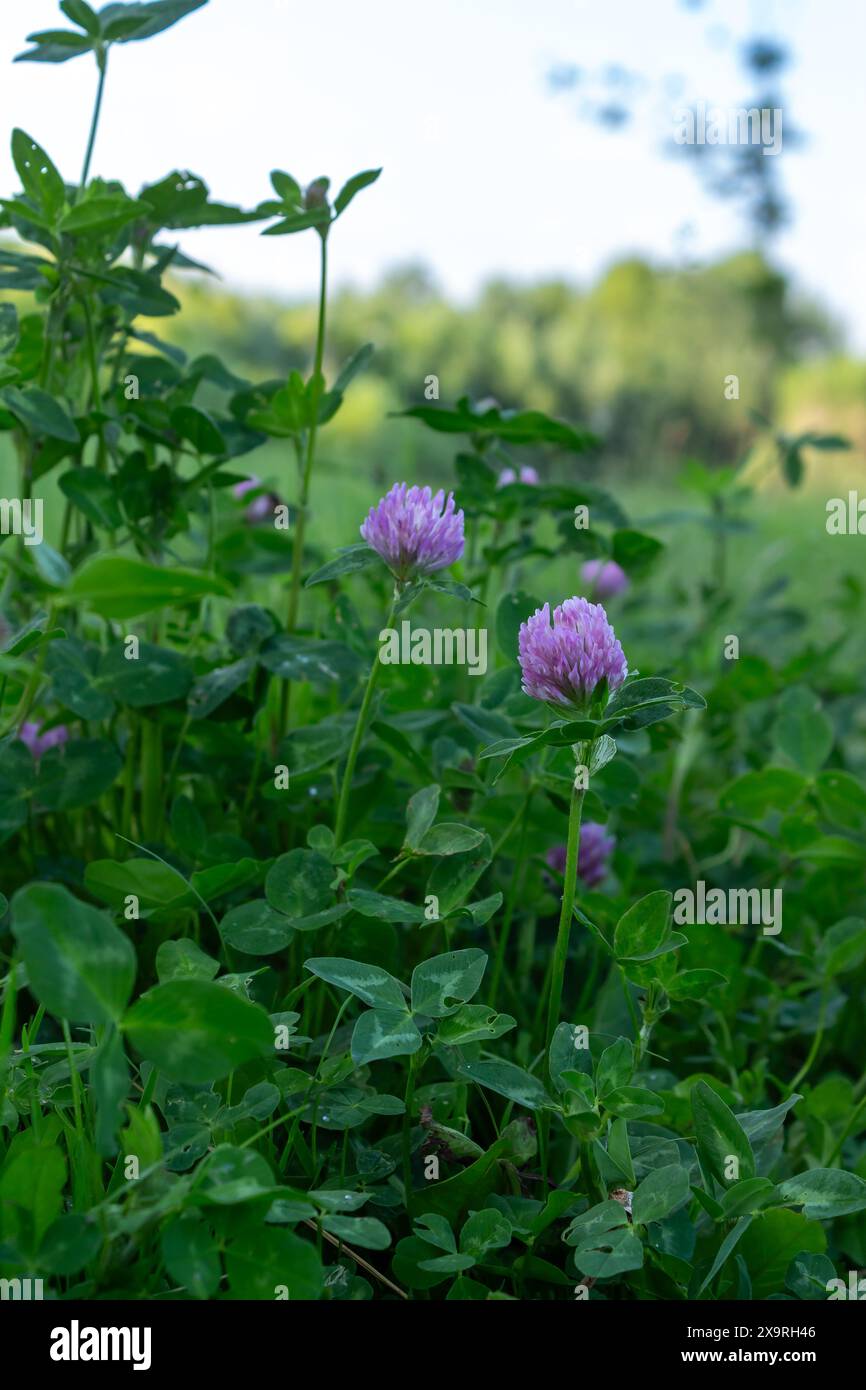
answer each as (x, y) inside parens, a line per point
(605, 577)
(262, 507)
(40, 743)
(527, 475)
(240, 490)
(596, 847)
(415, 533)
(564, 664)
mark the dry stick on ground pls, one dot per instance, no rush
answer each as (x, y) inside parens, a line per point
(359, 1259)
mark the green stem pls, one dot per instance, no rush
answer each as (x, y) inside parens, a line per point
(31, 690)
(172, 771)
(312, 433)
(357, 738)
(813, 1050)
(630, 1005)
(129, 780)
(74, 1079)
(560, 954)
(408, 1100)
(392, 873)
(102, 61)
(849, 1128)
(517, 877)
(92, 355)
(7, 1026)
(310, 452)
(151, 779)
(519, 814)
(96, 393)
(254, 780)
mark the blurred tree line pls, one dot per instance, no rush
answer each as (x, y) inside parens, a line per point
(644, 357)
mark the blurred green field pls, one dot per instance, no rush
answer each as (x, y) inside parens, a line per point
(786, 540)
(641, 358)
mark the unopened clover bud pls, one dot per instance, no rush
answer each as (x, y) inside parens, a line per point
(606, 578)
(316, 194)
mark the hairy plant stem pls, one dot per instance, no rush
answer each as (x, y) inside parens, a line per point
(307, 472)
(560, 954)
(357, 737)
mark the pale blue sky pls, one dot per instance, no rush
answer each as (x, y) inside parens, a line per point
(485, 171)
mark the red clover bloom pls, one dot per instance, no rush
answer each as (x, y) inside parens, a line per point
(564, 664)
(40, 743)
(414, 532)
(596, 847)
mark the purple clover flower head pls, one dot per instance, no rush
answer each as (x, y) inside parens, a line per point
(556, 858)
(527, 475)
(563, 664)
(240, 490)
(261, 508)
(606, 578)
(596, 847)
(40, 743)
(414, 532)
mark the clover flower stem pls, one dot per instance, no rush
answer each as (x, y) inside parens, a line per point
(357, 737)
(560, 954)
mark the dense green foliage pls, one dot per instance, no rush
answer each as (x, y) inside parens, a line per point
(294, 1001)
